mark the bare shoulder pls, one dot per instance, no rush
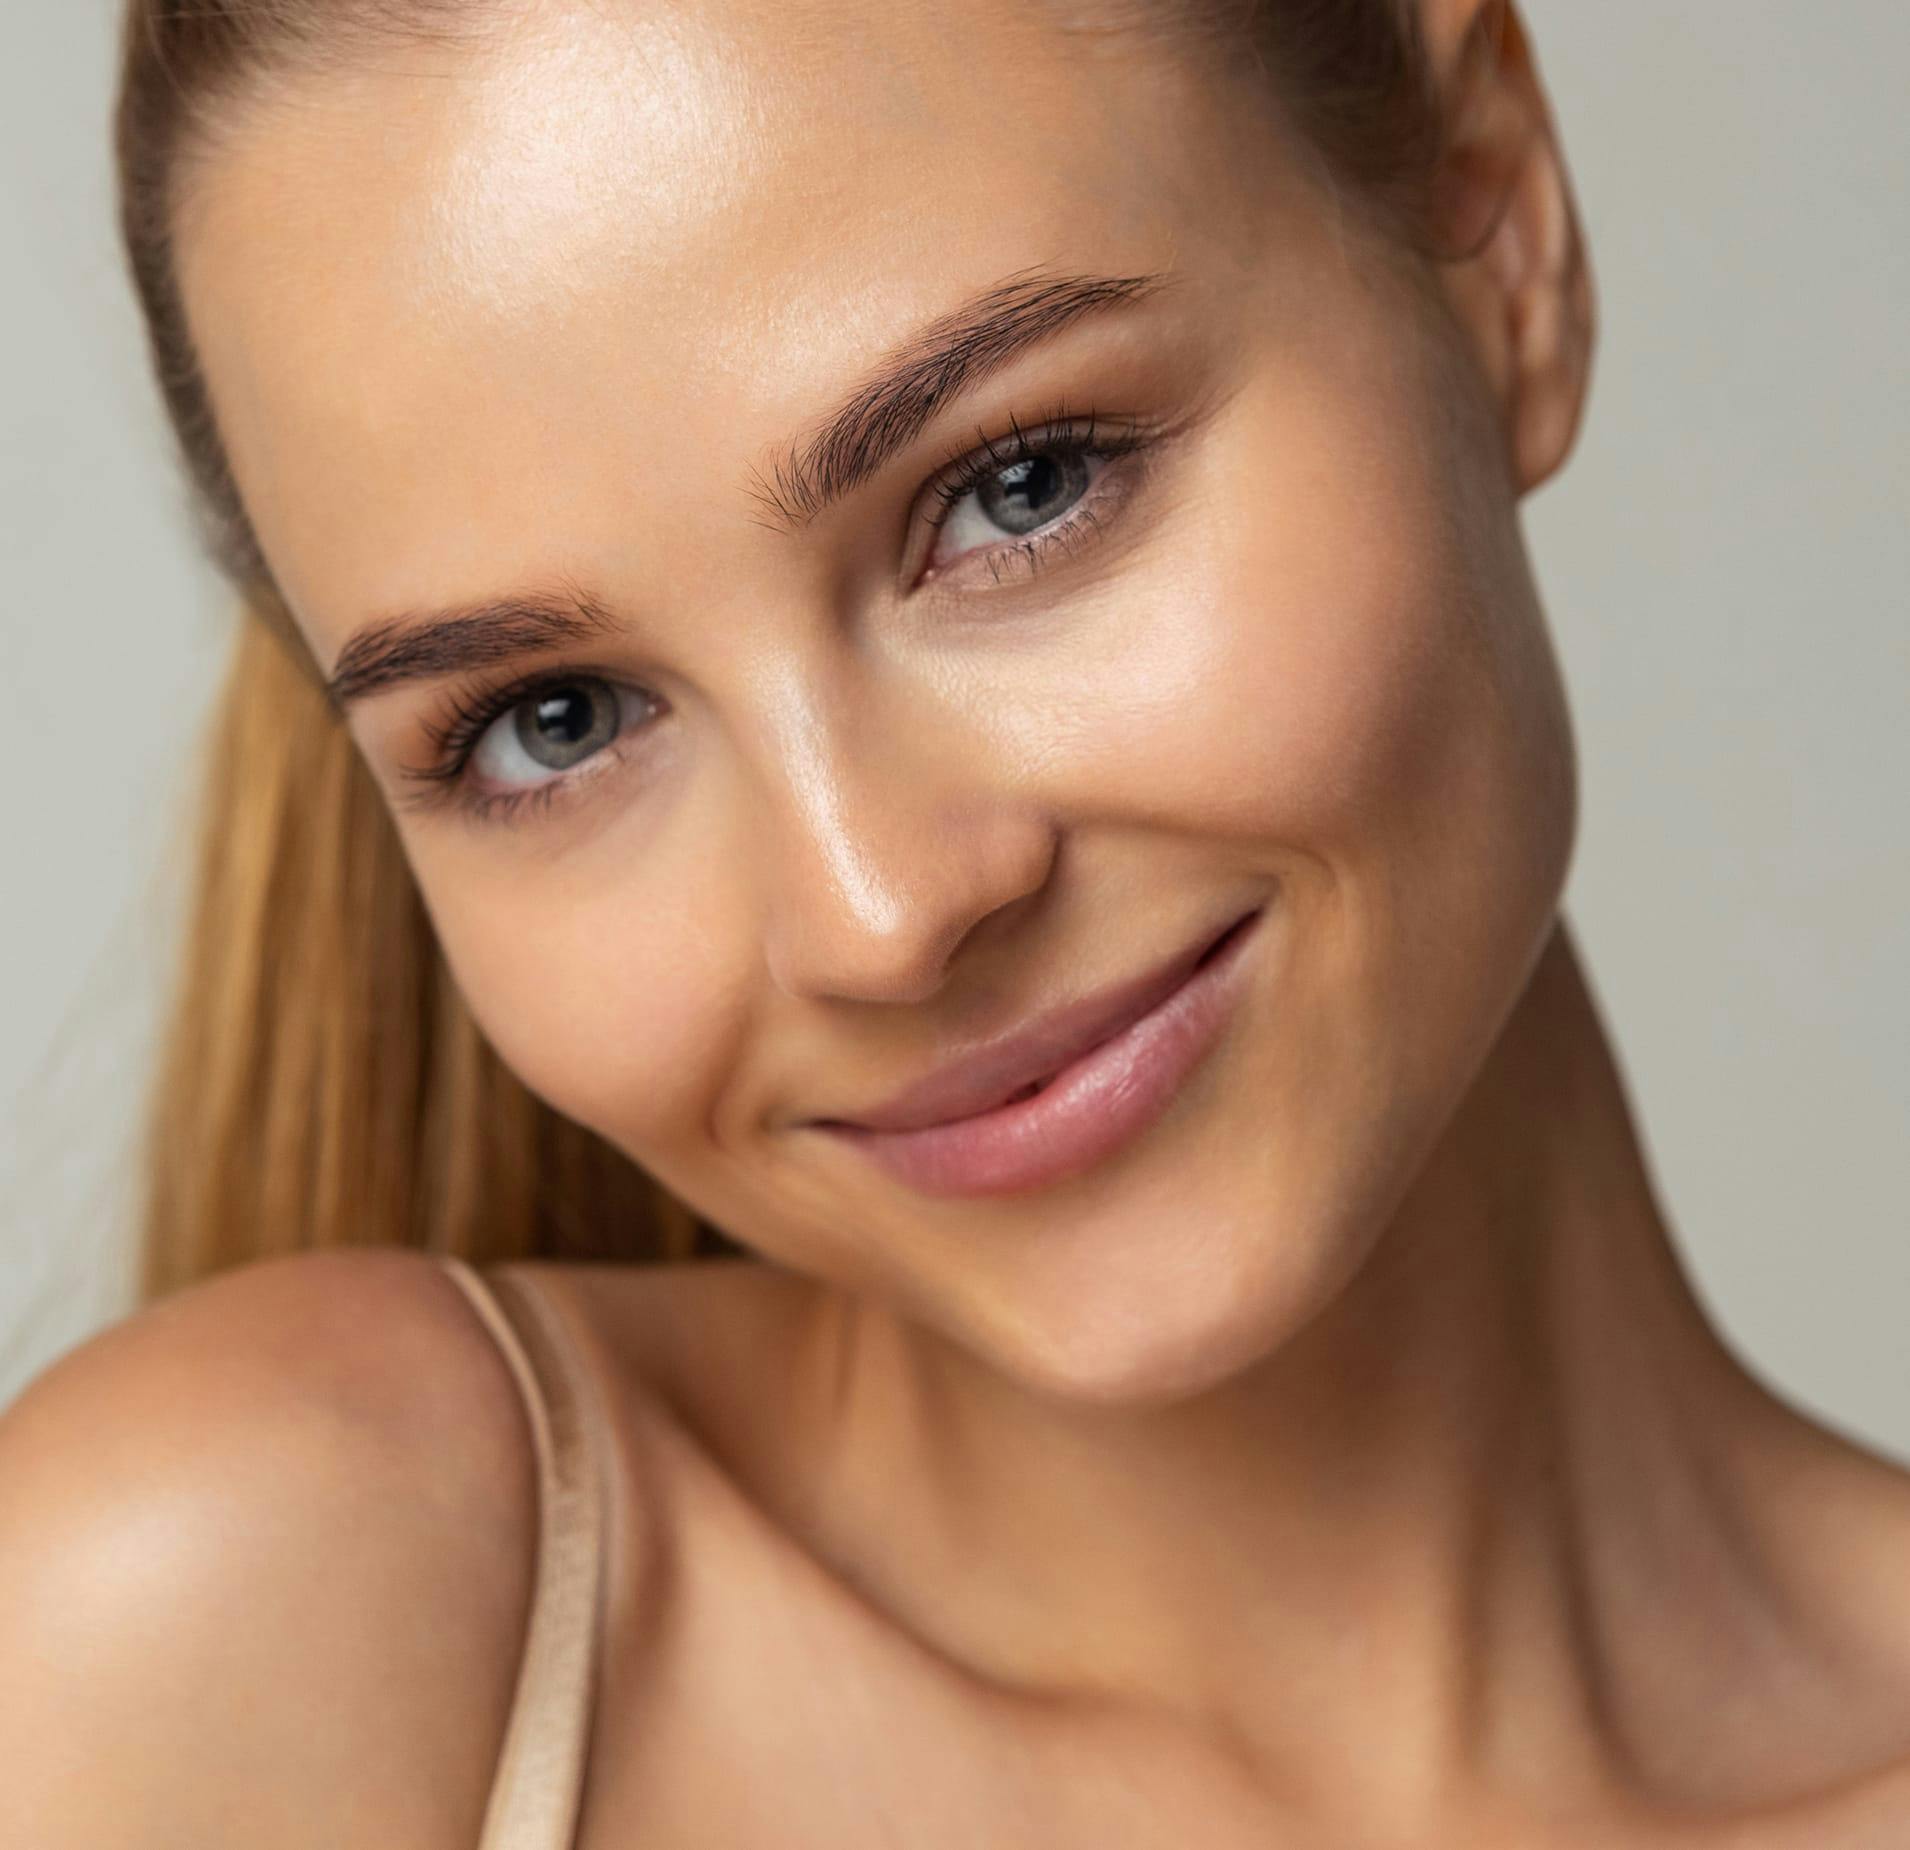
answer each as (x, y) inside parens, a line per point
(1833, 1531)
(265, 1560)
(1847, 1507)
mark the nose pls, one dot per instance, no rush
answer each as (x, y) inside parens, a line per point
(885, 844)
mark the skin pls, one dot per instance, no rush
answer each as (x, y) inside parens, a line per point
(1347, 1461)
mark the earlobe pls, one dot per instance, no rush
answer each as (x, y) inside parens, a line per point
(1513, 254)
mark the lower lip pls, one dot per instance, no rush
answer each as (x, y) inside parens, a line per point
(1086, 1112)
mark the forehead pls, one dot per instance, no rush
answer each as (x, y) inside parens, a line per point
(463, 312)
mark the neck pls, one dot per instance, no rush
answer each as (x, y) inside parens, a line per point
(1442, 1517)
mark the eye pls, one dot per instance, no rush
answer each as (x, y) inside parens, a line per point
(1030, 493)
(1015, 500)
(551, 731)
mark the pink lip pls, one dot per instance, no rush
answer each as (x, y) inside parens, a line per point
(987, 1075)
(1116, 1062)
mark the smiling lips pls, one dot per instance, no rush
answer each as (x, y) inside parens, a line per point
(1061, 1093)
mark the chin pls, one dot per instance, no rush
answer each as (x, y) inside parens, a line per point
(1198, 1297)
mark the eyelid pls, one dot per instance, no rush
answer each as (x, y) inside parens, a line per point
(1060, 429)
(469, 712)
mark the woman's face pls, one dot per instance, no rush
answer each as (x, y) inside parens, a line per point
(807, 793)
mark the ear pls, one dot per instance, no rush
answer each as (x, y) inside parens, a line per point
(1515, 264)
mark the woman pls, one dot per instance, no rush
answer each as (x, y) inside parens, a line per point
(889, 660)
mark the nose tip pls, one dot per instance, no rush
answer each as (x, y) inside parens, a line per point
(853, 925)
(888, 830)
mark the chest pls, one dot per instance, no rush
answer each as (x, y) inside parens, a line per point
(750, 1694)
(766, 1707)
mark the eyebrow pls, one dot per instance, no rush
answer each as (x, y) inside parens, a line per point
(881, 416)
(431, 646)
(914, 380)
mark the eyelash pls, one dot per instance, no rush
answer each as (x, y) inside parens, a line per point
(1059, 433)
(467, 716)
(455, 733)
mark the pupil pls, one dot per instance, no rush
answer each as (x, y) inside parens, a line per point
(563, 726)
(563, 716)
(1030, 493)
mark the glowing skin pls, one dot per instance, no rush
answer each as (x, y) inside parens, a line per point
(1245, 1428)
(1301, 661)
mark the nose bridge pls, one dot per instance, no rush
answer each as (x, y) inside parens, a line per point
(888, 836)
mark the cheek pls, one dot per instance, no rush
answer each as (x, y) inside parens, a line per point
(1301, 658)
(1330, 671)
(604, 1000)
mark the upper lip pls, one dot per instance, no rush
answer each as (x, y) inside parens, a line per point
(986, 1074)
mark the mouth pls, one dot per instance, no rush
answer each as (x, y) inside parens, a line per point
(1065, 1093)
(1035, 1087)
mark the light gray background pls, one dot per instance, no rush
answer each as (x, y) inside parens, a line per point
(1725, 560)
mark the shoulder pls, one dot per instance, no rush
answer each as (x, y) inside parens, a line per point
(318, 1368)
(265, 1554)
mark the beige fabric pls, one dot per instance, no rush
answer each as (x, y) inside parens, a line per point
(538, 1785)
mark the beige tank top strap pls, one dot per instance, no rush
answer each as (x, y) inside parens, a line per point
(537, 1790)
